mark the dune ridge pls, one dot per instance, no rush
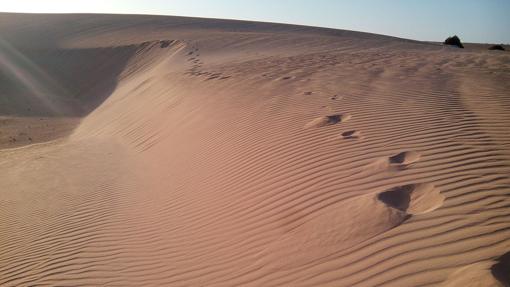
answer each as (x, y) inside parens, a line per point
(229, 153)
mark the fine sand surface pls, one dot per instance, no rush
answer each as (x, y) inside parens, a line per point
(170, 151)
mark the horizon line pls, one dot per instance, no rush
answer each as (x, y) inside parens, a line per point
(242, 20)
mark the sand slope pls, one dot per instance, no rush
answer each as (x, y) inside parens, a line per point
(168, 151)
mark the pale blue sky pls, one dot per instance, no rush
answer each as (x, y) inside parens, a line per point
(472, 20)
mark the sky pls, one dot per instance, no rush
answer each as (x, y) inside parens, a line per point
(482, 21)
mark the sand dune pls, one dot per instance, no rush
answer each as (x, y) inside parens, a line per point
(170, 151)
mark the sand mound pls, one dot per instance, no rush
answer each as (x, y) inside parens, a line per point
(329, 232)
(328, 120)
(413, 198)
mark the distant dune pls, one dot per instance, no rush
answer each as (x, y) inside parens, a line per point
(172, 151)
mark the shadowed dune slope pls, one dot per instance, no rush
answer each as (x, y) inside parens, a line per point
(170, 151)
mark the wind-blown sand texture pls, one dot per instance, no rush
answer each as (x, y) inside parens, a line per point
(170, 151)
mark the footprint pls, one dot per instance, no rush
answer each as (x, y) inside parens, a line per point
(413, 198)
(501, 270)
(351, 134)
(165, 43)
(212, 77)
(475, 274)
(399, 161)
(405, 158)
(482, 273)
(328, 120)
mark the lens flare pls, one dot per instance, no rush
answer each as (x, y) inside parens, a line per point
(28, 75)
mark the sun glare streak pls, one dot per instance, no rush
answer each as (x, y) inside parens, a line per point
(26, 73)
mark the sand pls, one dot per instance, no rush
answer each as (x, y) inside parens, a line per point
(171, 151)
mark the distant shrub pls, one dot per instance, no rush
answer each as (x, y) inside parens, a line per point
(454, 41)
(497, 47)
